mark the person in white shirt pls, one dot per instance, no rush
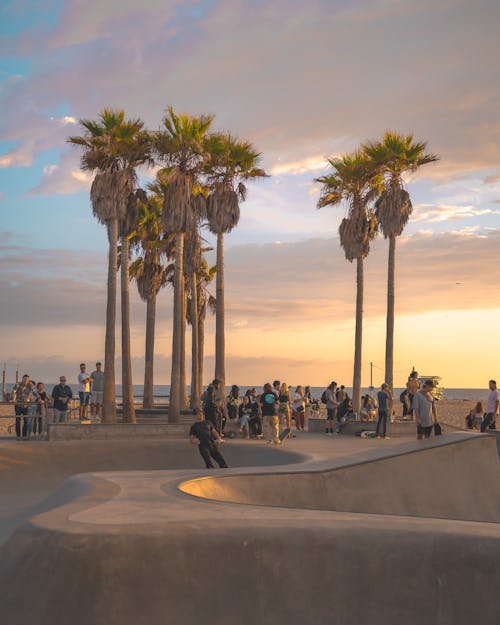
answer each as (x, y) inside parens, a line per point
(491, 408)
(84, 383)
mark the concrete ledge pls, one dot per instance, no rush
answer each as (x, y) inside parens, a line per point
(398, 428)
(116, 431)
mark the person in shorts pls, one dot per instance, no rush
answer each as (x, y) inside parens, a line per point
(61, 395)
(424, 410)
(97, 392)
(84, 383)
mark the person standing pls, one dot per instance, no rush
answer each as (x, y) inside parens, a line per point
(203, 434)
(26, 399)
(97, 392)
(331, 408)
(299, 408)
(384, 397)
(211, 407)
(84, 383)
(412, 387)
(424, 410)
(491, 407)
(61, 394)
(269, 411)
(40, 421)
(284, 406)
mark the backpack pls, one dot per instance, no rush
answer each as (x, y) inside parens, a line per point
(324, 396)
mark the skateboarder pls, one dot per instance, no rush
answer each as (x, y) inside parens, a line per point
(203, 434)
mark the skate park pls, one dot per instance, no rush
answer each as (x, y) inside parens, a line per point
(346, 531)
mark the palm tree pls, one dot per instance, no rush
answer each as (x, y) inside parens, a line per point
(151, 275)
(179, 145)
(353, 180)
(112, 147)
(395, 155)
(206, 301)
(232, 163)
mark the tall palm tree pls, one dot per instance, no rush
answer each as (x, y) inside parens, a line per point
(231, 164)
(180, 147)
(354, 181)
(395, 155)
(150, 274)
(112, 147)
(206, 302)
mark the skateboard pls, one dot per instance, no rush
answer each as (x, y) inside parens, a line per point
(367, 434)
(284, 434)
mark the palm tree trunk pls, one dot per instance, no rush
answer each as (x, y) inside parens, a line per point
(195, 380)
(109, 396)
(184, 397)
(148, 394)
(389, 337)
(356, 383)
(175, 378)
(220, 340)
(201, 348)
(127, 388)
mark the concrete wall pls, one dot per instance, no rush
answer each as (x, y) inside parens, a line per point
(116, 431)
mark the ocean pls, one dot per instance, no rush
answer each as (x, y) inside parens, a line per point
(162, 391)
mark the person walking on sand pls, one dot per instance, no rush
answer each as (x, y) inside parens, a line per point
(384, 398)
(424, 410)
(203, 434)
(84, 383)
(490, 419)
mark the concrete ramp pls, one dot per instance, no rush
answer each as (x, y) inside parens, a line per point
(455, 481)
(293, 546)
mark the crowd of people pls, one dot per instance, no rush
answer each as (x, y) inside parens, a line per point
(34, 407)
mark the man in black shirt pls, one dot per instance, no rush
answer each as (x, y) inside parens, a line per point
(61, 394)
(204, 434)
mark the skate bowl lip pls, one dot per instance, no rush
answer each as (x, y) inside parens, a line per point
(247, 489)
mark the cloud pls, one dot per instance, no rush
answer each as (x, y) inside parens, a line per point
(300, 91)
(310, 164)
(63, 178)
(443, 212)
(492, 178)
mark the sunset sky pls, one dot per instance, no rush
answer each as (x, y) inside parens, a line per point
(302, 81)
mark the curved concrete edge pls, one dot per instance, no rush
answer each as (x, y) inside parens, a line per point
(432, 482)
